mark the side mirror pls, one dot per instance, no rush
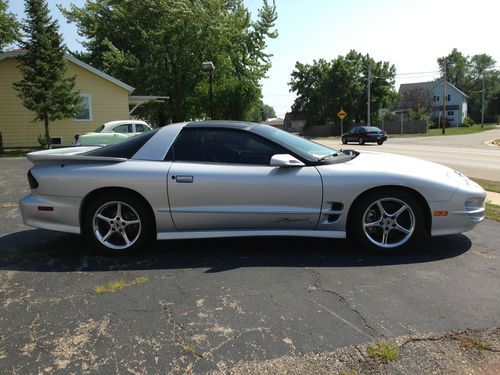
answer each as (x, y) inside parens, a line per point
(285, 160)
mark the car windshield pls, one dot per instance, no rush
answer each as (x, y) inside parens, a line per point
(307, 149)
(99, 129)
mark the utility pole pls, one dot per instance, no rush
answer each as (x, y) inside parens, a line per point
(482, 105)
(369, 96)
(444, 100)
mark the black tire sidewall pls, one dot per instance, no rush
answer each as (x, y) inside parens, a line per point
(344, 140)
(147, 222)
(356, 220)
(361, 141)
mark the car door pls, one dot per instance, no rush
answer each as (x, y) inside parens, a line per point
(122, 132)
(220, 179)
(353, 134)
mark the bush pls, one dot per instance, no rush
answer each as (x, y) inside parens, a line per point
(468, 122)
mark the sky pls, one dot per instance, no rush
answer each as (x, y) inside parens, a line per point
(411, 34)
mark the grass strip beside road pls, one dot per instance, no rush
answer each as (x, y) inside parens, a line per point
(17, 152)
(492, 212)
(460, 130)
(489, 185)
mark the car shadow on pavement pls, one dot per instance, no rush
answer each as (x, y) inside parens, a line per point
(44, 251)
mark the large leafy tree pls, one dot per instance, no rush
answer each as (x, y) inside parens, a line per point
(44, 88)
(467, 72)
(158, 46)
(324, 87)
(9, 27)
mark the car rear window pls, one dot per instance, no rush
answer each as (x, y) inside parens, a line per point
(125, 149)
(371, 129)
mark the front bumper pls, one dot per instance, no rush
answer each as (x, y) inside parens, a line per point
(64, 216)
(465, 210)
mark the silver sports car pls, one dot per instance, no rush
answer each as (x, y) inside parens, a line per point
(225, 179)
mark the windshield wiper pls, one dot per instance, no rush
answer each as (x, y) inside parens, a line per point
(328, 156)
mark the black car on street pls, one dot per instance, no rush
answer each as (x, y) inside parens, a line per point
(364, 134)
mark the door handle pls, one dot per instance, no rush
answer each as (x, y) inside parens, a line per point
(184, 179)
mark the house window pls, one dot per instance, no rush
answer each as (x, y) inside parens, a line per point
(437, 98)
(449, 97)
(434, 98)
(86, 103)
(451, 113)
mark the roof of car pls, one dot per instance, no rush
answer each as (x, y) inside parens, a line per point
(118, 122)
(240, 125)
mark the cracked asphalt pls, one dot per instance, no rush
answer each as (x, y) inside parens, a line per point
(213, 305)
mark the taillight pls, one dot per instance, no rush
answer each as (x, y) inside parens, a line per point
(32, 181)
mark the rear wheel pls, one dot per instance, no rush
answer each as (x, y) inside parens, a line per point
(388, 221)
(344, 140)
(361, 141)
(118, 223)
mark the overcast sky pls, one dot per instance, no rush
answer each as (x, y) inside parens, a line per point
(410, 34)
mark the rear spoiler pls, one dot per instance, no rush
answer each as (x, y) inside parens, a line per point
(70, 154)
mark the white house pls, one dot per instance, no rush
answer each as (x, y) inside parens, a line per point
(456, 100)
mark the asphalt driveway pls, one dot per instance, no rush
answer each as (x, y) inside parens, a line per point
(201, 305)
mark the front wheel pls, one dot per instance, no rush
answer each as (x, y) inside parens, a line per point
(361, 141)
(380, 143)
(344, 140)
(387, 221)
(118, 223)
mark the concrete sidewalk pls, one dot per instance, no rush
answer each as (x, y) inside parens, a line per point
(493, 198)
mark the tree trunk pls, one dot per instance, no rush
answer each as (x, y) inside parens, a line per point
(46, 120)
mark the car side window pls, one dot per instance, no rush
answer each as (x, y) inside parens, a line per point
(141, 128)
(223, 146)
(124, 128)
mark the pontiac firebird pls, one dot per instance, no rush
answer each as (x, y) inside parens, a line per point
(234, 179)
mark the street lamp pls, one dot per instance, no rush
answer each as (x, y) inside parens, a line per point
(208, 67)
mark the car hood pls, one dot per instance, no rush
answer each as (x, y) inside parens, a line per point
(402, 165)
(372, 169)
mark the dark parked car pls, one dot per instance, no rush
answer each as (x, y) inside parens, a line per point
(363, 134)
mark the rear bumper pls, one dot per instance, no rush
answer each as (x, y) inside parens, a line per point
(64, 216)
(375, 138)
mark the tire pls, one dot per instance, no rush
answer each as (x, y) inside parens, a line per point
(108, 228)
(376, 232)
(344, 140)
(361, 141)
(380, 143)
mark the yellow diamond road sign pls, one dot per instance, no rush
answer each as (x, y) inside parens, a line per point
(341, 113)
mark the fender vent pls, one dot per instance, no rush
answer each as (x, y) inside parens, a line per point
(337, 206)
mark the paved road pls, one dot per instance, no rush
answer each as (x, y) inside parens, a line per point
(466, 153)
(193, 306)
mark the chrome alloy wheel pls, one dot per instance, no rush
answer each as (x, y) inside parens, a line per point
(388, 222)
(116, 225)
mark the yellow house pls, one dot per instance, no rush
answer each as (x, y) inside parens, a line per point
(104, 99)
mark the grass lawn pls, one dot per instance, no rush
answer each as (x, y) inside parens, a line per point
(17, 152)
(492, 212)
(488, 185)
(449, 131)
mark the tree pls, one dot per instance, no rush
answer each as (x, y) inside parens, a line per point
(159, 46)
(467, 74)
(457, 67)
(44, 89)
(416, 100)
(323, 87)
(9, 27)
(493, 108)
(261, 112)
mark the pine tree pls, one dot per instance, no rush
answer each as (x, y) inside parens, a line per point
(44, 88)
(9, 27)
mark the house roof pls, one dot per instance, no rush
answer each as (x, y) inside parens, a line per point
(74, 60)
(428, 86)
